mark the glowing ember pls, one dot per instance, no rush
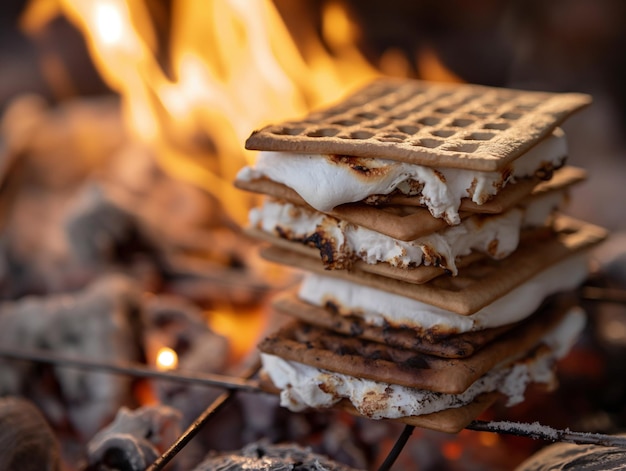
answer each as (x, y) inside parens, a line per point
(166, 359)
(452, 450)
(242, 328)
(231, 67)
(488, 439)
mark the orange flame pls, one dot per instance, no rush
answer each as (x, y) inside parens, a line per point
(232, 68)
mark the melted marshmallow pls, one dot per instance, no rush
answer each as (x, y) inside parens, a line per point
(379, 307)
(324, 181)
(497, 235)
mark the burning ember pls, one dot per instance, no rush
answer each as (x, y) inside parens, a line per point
(167, 359)
(229, 67)
(123, 239)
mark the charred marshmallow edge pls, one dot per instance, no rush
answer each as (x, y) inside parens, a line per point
(497, 235)
(381, 308)
(304, 386)
(326, 181)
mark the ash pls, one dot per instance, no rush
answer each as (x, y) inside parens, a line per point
(266, 457)
(565, 456)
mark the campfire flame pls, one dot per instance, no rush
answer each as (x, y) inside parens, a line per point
(226, 67)
(231, 67)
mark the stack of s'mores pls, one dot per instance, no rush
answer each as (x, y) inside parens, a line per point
(439, 271)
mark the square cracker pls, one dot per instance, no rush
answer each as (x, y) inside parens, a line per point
(433, 124)
(476, 285)
(328, 350)
(403, 220)
(440, 344)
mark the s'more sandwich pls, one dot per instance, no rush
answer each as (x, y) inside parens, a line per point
(438, 268)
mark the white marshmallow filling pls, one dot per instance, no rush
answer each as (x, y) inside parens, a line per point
(340, 242)
(326, 181)
(379, 308)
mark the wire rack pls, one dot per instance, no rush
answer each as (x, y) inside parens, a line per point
(245, 381)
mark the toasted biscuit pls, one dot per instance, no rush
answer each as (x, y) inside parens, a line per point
(476, 285)
(417, 275)
(446, 345)
(403, 220)
(445, 125)
(362, 358)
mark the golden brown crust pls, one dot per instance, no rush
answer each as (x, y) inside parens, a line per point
(433, 124)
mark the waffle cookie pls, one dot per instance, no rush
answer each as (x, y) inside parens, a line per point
(357, 356)
(458, 126)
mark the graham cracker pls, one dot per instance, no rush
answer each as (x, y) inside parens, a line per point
(403, 220)
(436, 343)
(328, 350)
(478, 284)
(433, 124)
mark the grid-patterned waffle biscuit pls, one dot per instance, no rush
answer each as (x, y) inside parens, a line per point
(476, 285)
(445, 125)
(404, 221)
(328, 350)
